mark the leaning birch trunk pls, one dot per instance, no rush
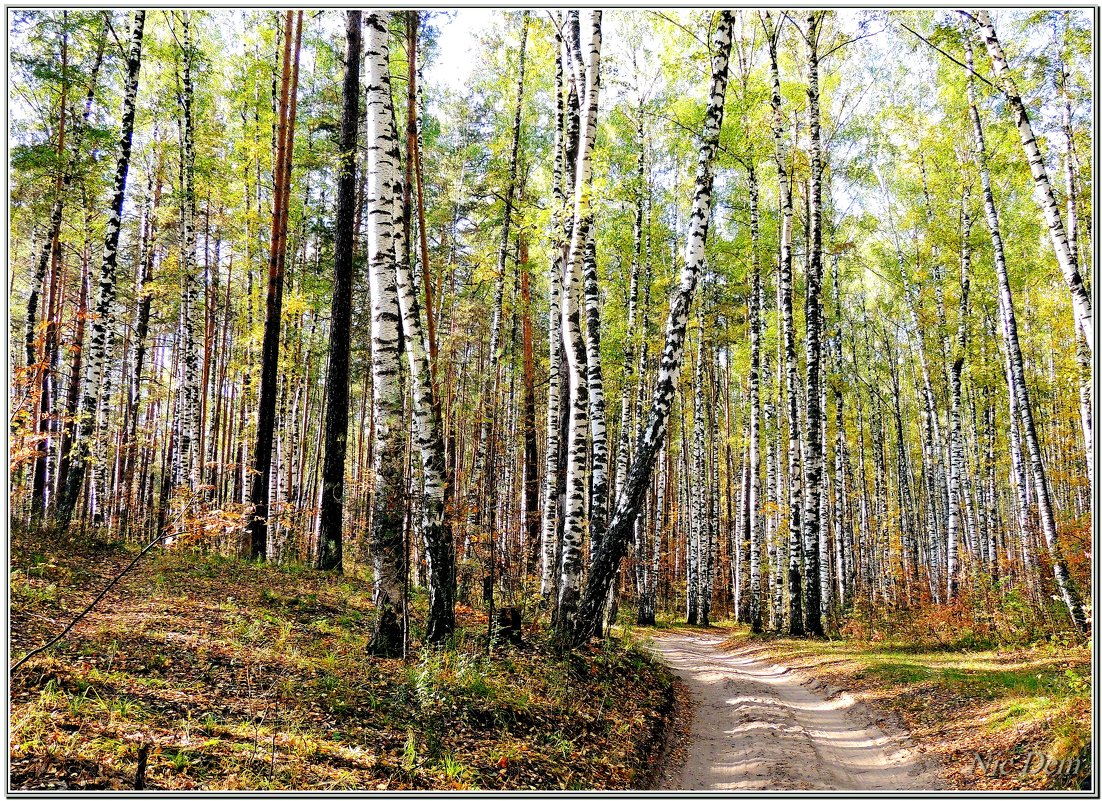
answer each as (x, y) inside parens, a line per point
(795, 555)
(383, 185)
(331, 514)
(1042, 188)
(1064, 584)
(585, 78)
(606, 564)
(1082, 349)
(99, 352)
(550, 522)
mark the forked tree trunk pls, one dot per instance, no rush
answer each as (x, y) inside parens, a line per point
(586, 82)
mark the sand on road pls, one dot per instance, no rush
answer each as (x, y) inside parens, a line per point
(761, 726)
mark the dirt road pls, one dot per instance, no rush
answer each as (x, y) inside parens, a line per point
(759, 726)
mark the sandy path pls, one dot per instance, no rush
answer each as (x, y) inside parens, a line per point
(760, 726)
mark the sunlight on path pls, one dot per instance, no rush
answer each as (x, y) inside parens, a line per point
(756, 726)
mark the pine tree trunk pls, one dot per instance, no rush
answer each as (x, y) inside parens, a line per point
(44, 374)
(266, 409)
(331, 513)
(490, 376)
(530, 514)
(72, 393)
(50, 256)
(605, 565)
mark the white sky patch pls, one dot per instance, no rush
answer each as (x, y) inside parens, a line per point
(458, 40)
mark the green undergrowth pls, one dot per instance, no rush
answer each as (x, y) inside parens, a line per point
(243, 676)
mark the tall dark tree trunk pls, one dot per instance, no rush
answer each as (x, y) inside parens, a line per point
(331, 514)
(141, 335)
(531, 505)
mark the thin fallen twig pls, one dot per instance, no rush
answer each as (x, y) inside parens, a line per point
(90, 606)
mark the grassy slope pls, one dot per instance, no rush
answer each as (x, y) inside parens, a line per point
(245, 676)
(1005, 704)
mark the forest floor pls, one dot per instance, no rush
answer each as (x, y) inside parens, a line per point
(981, 718)
(236, 675)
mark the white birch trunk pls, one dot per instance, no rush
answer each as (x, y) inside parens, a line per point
(1064, 584)
(1042, 188)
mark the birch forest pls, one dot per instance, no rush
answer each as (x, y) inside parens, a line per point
(560, 324)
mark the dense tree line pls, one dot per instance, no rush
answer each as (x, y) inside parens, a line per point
(253, 314)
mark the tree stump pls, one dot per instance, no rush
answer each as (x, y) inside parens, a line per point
(507, 625)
